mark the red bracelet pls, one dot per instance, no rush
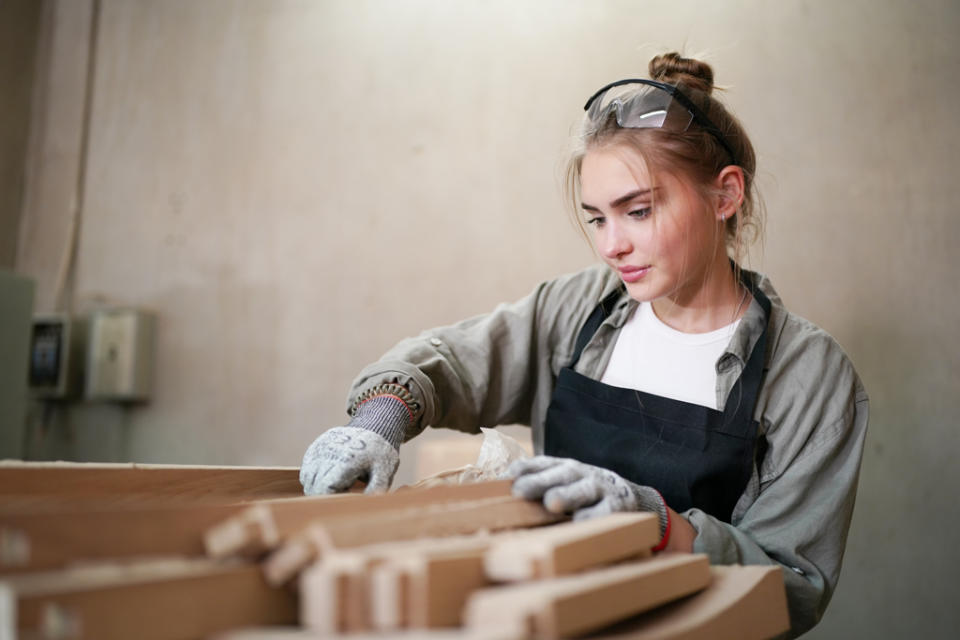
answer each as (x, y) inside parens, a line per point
(666, 533)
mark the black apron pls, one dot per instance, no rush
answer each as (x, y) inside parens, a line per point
(693, 455)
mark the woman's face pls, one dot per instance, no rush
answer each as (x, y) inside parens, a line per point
(654, 231)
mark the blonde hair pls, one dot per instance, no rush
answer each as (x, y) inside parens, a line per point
(694, 155)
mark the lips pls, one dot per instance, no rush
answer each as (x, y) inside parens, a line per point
(633, 274)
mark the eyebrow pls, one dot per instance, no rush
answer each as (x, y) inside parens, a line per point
(625, 198)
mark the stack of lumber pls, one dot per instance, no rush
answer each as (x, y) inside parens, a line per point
(104, 551)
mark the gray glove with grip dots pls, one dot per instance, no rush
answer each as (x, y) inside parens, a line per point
(366, 449)
(569, 486)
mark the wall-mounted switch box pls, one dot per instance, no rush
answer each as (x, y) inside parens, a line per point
(57, 346)
(120, 355)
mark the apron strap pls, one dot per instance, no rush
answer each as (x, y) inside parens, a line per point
(743, 397)
(596, 318)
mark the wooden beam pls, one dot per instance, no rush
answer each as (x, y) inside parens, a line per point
(571, 546)
(585, 602)
(26, 484)
(168, 599)
(741, 603)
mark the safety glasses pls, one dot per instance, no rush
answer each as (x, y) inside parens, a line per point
(648, 104)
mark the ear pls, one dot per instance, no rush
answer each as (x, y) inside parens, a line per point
(730, 188)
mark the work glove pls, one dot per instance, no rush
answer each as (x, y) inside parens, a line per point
(569, 486)
(366, 449)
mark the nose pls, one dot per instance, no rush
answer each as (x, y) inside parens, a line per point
(612, 242)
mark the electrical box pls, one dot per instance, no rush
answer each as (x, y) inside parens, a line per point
(16, 313)
(56, 356)
(120, 355)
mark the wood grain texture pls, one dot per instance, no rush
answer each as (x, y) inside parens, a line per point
(32, 484)
(48, 539)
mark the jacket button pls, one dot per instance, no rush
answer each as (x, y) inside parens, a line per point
(436, 342)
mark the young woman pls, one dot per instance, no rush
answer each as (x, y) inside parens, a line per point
(667, 379)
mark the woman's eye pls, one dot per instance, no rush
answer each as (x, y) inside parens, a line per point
(596, 221)
(641, 213)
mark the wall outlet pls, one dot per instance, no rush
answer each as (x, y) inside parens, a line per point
(120, 355)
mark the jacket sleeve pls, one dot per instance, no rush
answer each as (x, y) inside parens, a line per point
(490, 369)
(803, 497)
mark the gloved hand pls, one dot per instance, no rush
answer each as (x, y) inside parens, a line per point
(569, 486)
(368, 448)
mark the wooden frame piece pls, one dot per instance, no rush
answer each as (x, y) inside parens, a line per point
(579, 604)
(571, 546)
(741, 603)
(146, 600)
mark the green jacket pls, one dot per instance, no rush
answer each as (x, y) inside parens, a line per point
(500, 368)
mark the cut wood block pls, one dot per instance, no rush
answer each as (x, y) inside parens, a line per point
(741, 603)
(24, 484)
(439, 587)
(571, 546)
(333, 595)
(425, 521)
(338, 594)
(183, 599)
(574, 605)
(288, 517)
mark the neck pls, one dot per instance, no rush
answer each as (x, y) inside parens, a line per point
(707, 302)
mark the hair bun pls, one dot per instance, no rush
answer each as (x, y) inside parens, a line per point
(673, 68)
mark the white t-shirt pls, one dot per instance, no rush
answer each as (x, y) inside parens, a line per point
(653, 357)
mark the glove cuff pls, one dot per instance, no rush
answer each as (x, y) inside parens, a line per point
(388, 416)
(649, 499)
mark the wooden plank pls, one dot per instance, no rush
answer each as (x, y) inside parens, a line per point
(51, 539)
(272, 633)
(288, 517)
(572, 546)
(585, 602)
(741, 603)
(427, 521)
(32, 483)
(183, 599)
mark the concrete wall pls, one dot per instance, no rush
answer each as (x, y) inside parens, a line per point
(294, 186)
